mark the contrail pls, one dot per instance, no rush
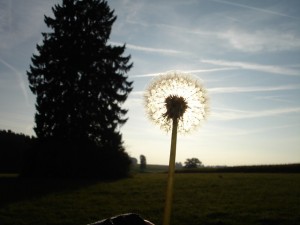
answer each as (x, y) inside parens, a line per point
(19, 77)
(233, 114)
(224, 90)
(252, 66)
(149, 49)
(186, 71)
(255, 8)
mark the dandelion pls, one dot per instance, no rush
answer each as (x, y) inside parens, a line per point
(176, 95)
(175, 101)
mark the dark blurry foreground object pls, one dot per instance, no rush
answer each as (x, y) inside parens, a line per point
(124, 219)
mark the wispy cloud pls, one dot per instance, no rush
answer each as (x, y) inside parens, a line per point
(224, 35)
(5, 15)
(277, 98)
(224, 90)
(150, 49)
(146, 75)
(233, 114)
(156, 50)
(231, 131)
(136, 93)
(255, 8)
(21, 21)
(177, 29)
(210, 70)
(261, 40)
(19, 79)
(252, 66)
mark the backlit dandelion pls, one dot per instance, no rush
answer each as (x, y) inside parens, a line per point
(175, 101)
(176, 94)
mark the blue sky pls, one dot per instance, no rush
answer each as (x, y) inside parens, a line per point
(246, 53)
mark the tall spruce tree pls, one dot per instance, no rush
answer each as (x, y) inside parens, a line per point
(79, 79)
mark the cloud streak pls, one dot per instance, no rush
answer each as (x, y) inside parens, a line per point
(272, 12)
(261, 40)
(257, 67)
(241, 132)
(19, 79)
(233, 114)
(230, 90)
(224, 90)
(150, 50)
(155, 50)
(210, 70)
(21, 21)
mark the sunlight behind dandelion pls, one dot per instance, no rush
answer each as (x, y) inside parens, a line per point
(184, 85)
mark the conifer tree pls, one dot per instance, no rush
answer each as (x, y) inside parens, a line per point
(79, 79)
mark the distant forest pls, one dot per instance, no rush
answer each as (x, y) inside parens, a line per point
(280, 168)
(12, 148)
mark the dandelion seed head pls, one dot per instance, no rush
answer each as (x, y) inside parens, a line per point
(176, 95)
(175, 107)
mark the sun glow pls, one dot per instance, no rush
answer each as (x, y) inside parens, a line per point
(183, 86)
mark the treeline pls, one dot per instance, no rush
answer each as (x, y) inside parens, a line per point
(282, 168)
(12, 148)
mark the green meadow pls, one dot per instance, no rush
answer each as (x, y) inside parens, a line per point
(199, 198)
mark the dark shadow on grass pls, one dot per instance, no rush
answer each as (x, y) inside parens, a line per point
(14, 189)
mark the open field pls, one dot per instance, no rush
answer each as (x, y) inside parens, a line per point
(214, 198)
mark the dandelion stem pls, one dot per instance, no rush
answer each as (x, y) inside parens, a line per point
(169, 192)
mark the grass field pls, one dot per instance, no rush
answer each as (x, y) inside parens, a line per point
(211, 199)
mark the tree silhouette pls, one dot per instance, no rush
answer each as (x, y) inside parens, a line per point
(79, 79)
(143, 163)
(192, 163)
